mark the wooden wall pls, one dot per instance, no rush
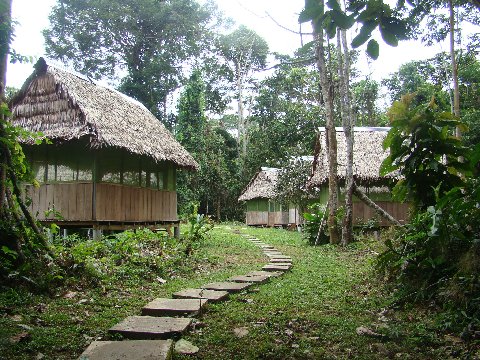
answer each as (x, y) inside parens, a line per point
(72, 200)
(119, 203)
(258, 218)
(124, 203)
(278, 218)
(362, 213)
(294, 216)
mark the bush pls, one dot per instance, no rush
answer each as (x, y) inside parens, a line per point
(198, 226)
(436, 257)
(127, 255)
(313, 218)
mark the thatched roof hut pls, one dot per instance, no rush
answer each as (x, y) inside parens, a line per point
(368, 155)
(261, 186)
(110, 164)
(66, 106)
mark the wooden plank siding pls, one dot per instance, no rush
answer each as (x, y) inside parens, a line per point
(277, 218)
(362, 213)
(258, 218)
(124, 203)
(73, 201)
(115, 203)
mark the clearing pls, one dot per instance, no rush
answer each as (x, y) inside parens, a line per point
(314, 311)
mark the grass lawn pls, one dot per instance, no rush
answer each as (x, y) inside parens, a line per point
(311, 312)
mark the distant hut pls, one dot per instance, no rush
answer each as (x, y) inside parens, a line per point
(110, 165)
(368, 155)
(259, 195)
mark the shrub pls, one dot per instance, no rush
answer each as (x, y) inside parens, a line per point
(436, 256)
(198, 226)
(127, 255)
(313, 218)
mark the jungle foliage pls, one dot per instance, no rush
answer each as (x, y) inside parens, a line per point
(435, 257)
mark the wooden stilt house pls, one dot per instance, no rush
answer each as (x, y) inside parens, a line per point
(259, 196)
(110, 164)
(368, 155)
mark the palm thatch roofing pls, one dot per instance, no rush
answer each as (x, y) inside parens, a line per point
(261, 186)
(65, 106)
(368, 155)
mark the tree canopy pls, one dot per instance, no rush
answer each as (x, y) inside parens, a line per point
(143, 42)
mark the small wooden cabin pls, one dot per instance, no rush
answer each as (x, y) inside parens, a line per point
(262, 209)
(368, 155)
(110, 163)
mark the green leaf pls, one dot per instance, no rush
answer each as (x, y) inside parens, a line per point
(373, 49)
(331, 30)
(9, 252)
(389, 37)
(364, 34)
(360, 39)
(395, 27)
(334, 5)
(342, 20)
(312, 11)
(387, 166)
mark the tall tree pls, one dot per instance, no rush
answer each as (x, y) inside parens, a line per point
(148, 39)
(245, 52)
(347, 122)
(365, 94)
(427, 78)
(215, 186)
(314, 12)
(20, 237)
(285, 117)
(5, 38)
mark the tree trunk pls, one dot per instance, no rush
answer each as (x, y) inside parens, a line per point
(456, 91)
(5, 35)
(347, 122)
(374, 206)
(327, 92)
(240, 124)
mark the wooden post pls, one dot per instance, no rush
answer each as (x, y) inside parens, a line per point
(176, 231)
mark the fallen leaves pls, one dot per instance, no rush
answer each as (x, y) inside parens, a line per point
(23, 336)
(364, 331)
(240, 332)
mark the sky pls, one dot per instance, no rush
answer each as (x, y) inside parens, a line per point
(269, 18)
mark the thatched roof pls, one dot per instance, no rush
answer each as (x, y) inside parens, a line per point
(66, 106)
(262, 185)
(368, 155)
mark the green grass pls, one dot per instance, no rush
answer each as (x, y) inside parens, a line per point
(311, 312)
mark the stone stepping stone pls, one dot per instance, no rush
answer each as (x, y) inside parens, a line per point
(210, 295)
(275, 267)
(289, 264)
(273, 253)
(285, 257)
(265, 273)
(232, 287)
(267, 247)
(150, 327)
(132, 350)
(257, 279)
(174, 307)
(281, 261)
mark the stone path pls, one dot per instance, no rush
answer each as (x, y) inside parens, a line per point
(165, 320)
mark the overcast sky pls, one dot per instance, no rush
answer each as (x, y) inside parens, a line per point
(32, 18)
